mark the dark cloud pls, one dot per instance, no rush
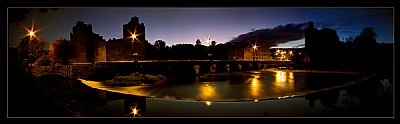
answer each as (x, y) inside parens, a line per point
(324, 24)
(272, 37)
(19, 14)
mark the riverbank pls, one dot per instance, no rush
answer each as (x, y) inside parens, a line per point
(77, 103)
(30, 96)
(27, 99)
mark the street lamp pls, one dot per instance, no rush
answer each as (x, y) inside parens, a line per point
(30, 33)
(254, 49)
(134, 35)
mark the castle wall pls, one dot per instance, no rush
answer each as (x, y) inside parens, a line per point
(90, 47)
(100, 51)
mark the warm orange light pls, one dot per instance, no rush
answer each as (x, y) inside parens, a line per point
(31, 33)
(255, 46)
(255, 88)
(135, 111)
(207, 91)
(208, 103)
(134, 36)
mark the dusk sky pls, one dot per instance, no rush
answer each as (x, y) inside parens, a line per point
(185, 25)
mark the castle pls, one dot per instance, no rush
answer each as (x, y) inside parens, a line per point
(90, 47)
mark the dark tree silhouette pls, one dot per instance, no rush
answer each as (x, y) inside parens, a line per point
(60, 51)
(159, 44)
(213, 43)
(30, 49)
(198, 42)
(366, 38)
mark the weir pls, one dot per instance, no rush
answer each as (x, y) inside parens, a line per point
(170, 68)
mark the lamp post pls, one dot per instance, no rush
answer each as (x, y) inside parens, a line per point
(254, 50)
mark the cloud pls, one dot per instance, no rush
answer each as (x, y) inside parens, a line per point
(324, 24)
(272, 37)
(20, 14)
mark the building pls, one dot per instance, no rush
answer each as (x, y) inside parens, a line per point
(131, 46)
(88, 46)
(287, 54)
(247, 52)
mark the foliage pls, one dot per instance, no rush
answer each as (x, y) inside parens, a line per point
(136, 79)
(45, 59)
(366, 38)
(159, 44)
(60, 51)
(30, 49)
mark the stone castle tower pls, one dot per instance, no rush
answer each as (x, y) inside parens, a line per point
(128, 48)
(88, 46)
(133, 26)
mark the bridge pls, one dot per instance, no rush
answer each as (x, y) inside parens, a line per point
(109, 69)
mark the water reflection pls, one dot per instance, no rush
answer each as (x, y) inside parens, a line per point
(345, 102)
(135, 106)
(262, 85)
(207, 91)
(255, 88)
(283, 80)
(208, 103)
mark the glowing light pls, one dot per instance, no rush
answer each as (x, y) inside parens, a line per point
(254, 46)
(280, 76)
(254, 87)
(134, 36)
(255, 100)
(207, 91)
(208, 40)
(135, 111)
(208, 103)
(282, 80)
(31, 32)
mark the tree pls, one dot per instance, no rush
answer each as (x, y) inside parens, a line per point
(60, 51)
(198, 42)
(213, 43)
(366, 38)
(30, 49)
(45, 59)
(159, 44)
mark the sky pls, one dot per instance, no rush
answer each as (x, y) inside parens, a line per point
(185, 25)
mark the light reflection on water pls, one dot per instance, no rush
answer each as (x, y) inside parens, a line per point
(344, 102)
(263, 85)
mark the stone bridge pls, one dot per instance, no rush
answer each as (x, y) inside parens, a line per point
(166, 67)
(69, 71)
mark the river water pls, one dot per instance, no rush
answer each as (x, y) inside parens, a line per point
(268, 93)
